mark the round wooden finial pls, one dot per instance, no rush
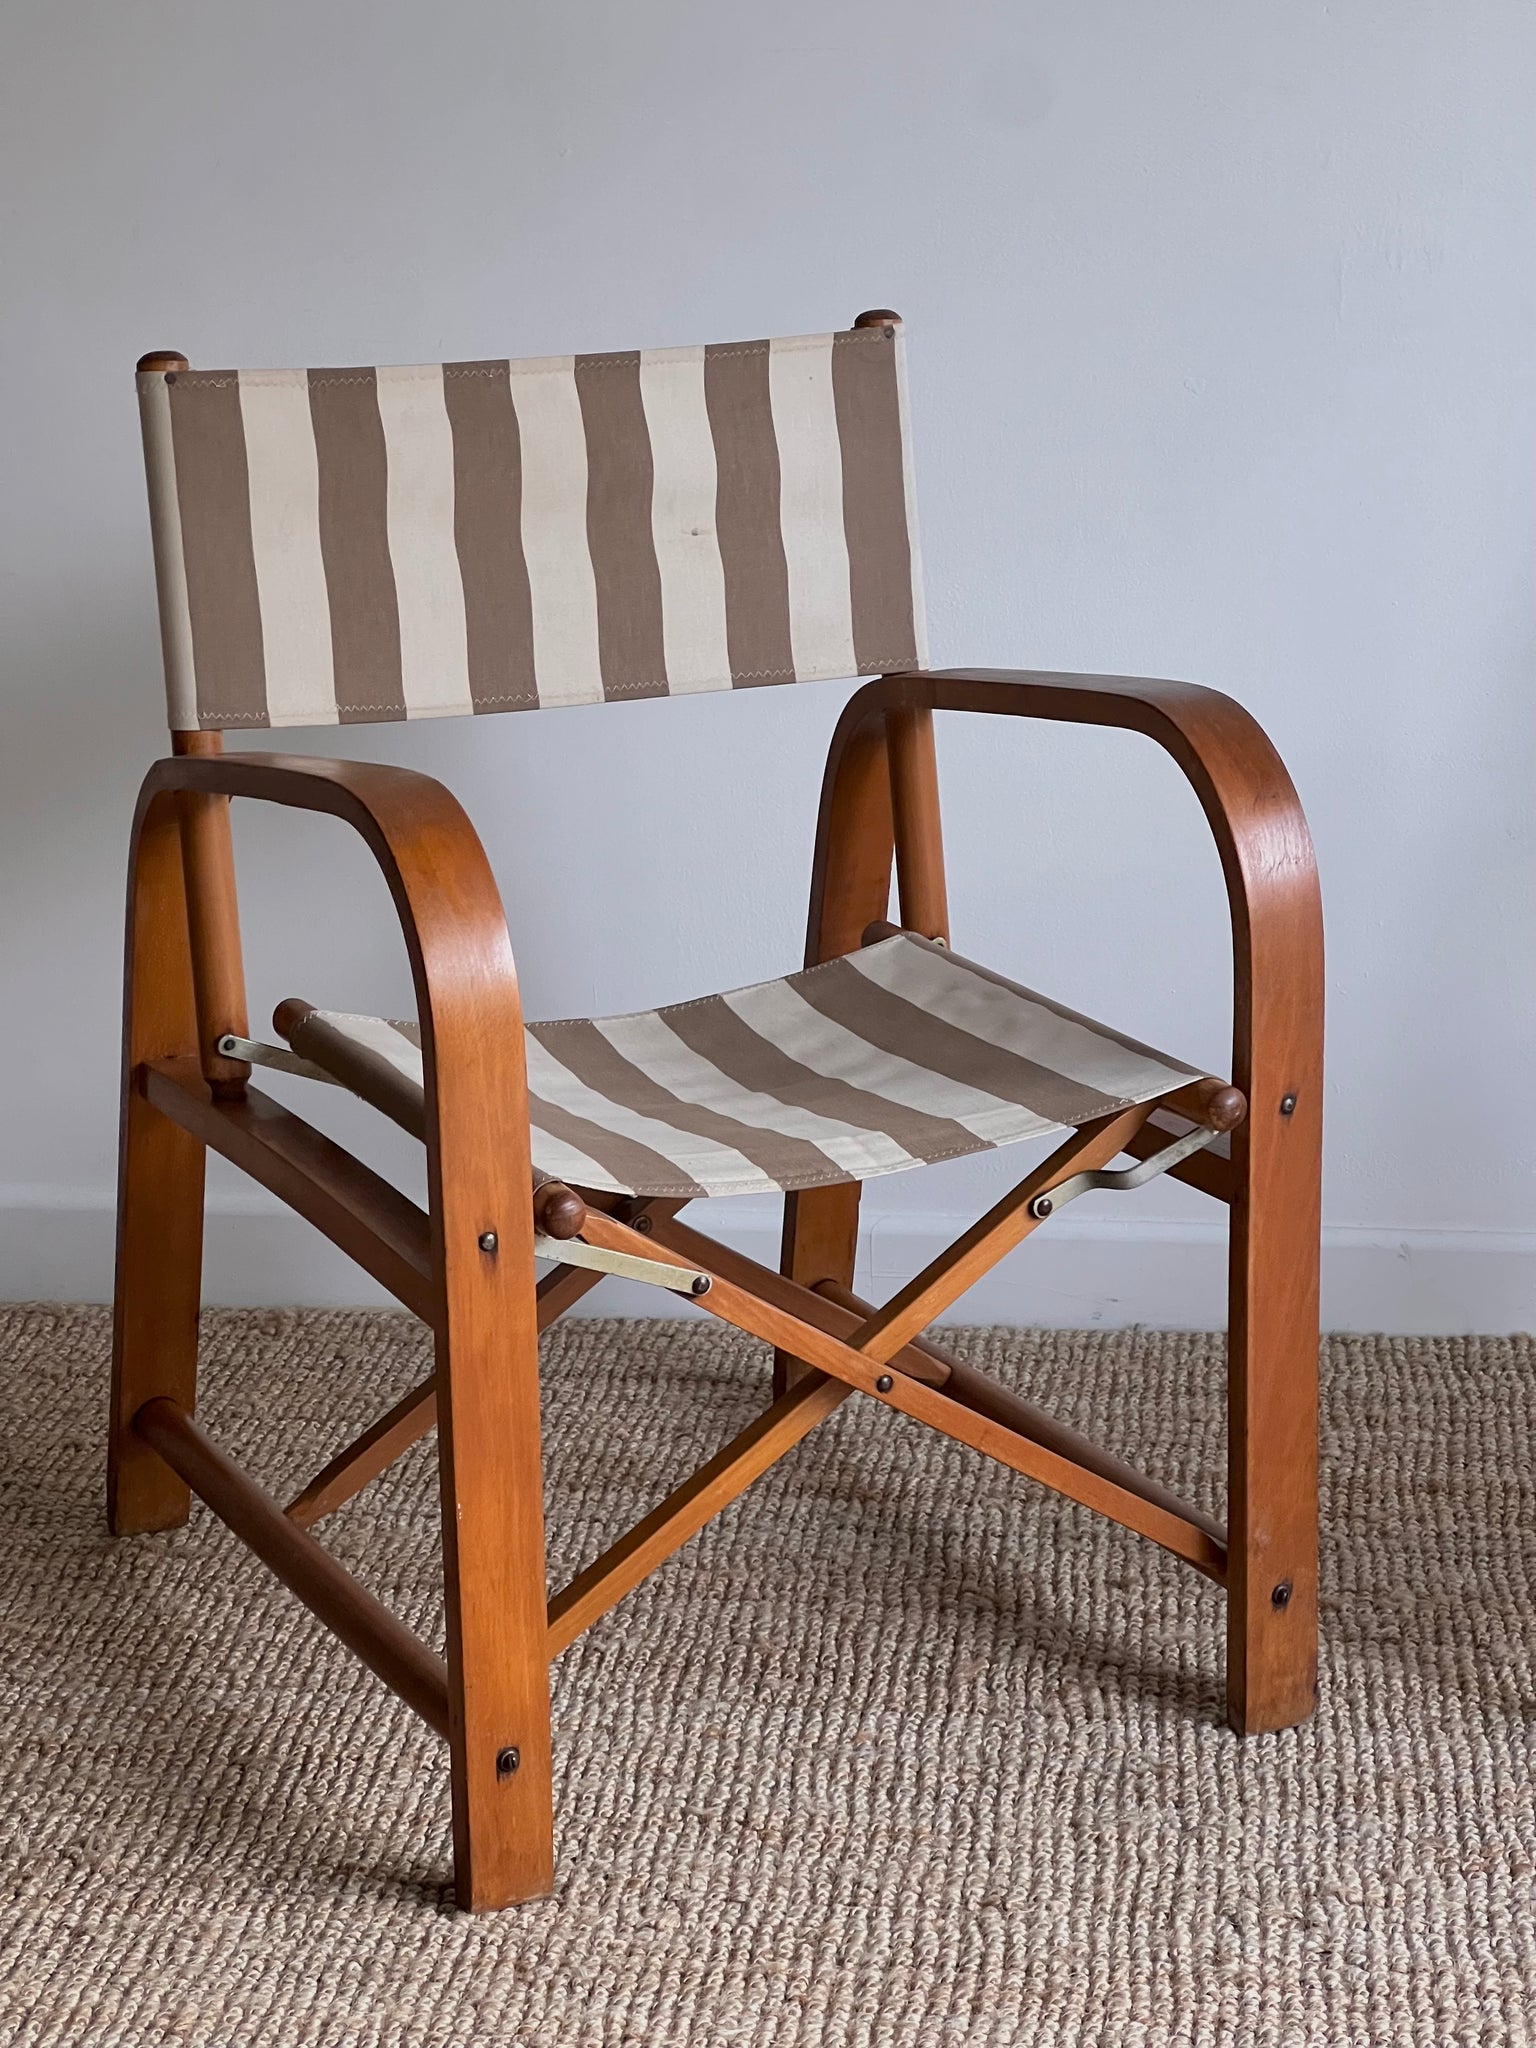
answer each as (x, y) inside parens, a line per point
(878, 316)
(1223, 1106)
(162, 359)
(290, 1015)
(558, 1210)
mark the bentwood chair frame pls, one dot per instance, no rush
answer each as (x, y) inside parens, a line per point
(466, 1263)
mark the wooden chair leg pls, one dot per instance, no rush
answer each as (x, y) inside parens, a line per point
(821, 1234)
(850, 889)
(493, 1558)
(160, 1191)
(1272, 1415)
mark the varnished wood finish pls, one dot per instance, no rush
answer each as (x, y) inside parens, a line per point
(973, 1389)
(381, 1444)
(820, 1307)
(1275, 1176)
(413, 1417)
(558, 1210)
(160, 1188)
(373, 1223)
(289, 1015)
(213, 918)
(751, 1309)
(371, 1077)
(921, 887)
(850, 888)
(1216, 1105)
(1006, 1224)
(479, 1181)
(348, 1609)
(841, 1313)
(467, 1265)
(684, 1512)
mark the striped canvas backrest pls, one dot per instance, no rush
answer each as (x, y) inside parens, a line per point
(352, 545)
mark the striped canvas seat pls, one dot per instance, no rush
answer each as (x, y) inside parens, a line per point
(896, 1055)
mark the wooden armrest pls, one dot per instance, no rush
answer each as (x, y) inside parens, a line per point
(429, 853)
(461, 962)
(1249, 801)
(1222, 749)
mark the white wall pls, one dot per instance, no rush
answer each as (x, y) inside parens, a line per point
(1221, 323)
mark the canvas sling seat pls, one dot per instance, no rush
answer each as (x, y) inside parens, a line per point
(338, 546)
(895, 1056)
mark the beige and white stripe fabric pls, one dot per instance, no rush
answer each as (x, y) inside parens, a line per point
(892, 1057)
(341, 546)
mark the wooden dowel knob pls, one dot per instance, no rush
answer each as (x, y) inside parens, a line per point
(290, 1015)
(1216, 1104)
(558, 1211)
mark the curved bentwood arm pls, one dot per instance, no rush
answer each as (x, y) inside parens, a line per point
(482, 1250)
(1277, 1061)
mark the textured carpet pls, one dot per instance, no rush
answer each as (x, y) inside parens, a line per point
(902, 1751)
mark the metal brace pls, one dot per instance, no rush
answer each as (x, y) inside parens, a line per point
(574, 1251)
(1076, 1184)
(561, 1251)
(255, 1054)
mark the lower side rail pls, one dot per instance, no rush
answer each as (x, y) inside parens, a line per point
(328, 1589)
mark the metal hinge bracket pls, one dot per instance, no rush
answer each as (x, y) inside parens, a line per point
(1051, 1199)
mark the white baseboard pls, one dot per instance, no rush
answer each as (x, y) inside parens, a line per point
(56, 1244)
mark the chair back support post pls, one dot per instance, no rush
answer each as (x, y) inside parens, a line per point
(207, 849)
(850, 889)
(918, 832)
(213, 924)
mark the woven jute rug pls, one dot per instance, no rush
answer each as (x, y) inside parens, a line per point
(901, 1751)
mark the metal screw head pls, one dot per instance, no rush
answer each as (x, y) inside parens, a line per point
(487, 1240)
(1281, 1596)
(1287, 1105)
(884, 1384)
(701, 1283)
(507, 1760)
(643, 1225)
(1040, 1207)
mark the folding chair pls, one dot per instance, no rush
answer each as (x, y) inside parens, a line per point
(336, 546)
